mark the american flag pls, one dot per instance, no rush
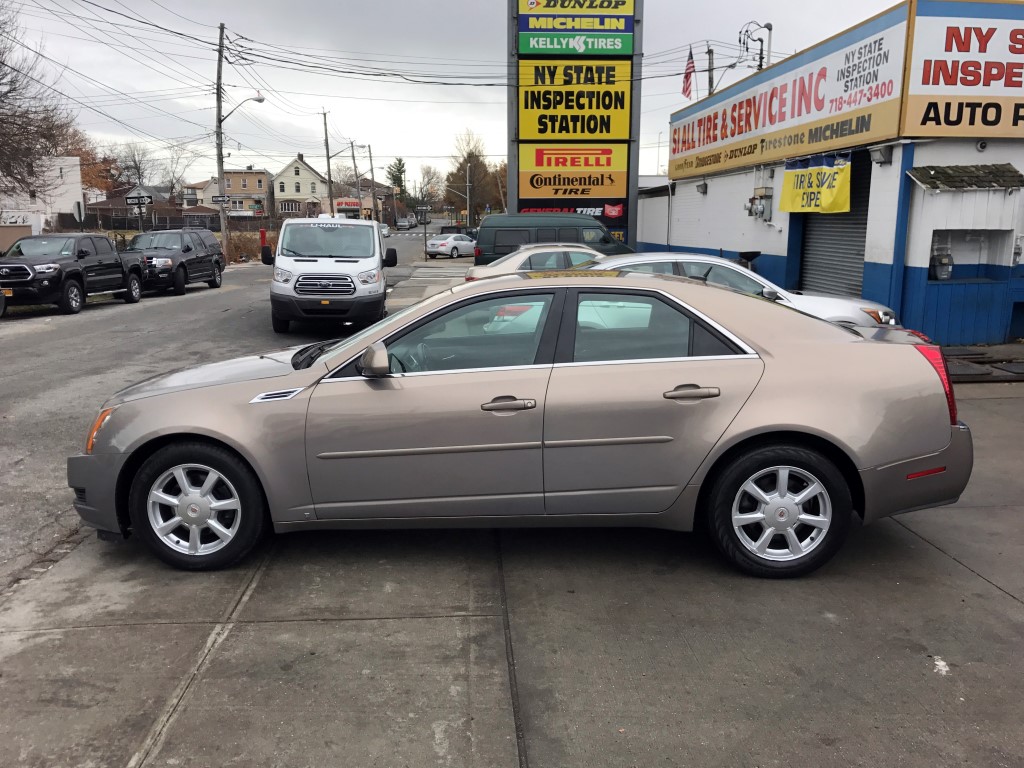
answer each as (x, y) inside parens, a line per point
(688, 74)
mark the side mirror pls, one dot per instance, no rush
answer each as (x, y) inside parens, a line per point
(267, 255)
(374, 361)
(391, 257)
(771, 294)
(606, 240)
(82, 253)
(186, 248)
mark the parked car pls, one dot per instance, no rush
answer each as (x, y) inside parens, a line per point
(385, 230)
(174, 258)
(65, 269)
(718, 271)
(403, 225)
(684, 402)
(502, 233)
(328, 269)
(451, 246)
(537, 258)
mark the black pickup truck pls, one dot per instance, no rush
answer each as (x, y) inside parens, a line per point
(64, 269)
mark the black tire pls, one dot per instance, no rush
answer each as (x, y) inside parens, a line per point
(218, 276)
(72, 297)
(280, 324)
(454, 254)
(133, 291)
(431, 255)
(252, 509)
(726, 490)
(179, 281)
(3, 305)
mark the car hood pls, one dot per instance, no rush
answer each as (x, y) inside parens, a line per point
(265, 366)
(34, 260)
(144, 253)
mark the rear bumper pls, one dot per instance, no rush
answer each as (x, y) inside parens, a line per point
(94, 480)
(356, 308)
(893, 489)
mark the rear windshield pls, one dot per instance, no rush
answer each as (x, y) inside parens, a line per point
(43, 246)
(329, 238)
(156, 240)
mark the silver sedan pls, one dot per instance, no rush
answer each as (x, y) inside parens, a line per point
(451, 245)
(564, 399)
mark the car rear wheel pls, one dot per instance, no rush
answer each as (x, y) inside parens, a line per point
(780, 511)
(279, 323)
(133, 291)
(431, 256)
(179, 281)
(198, 507)
(71, 297)
(218, 277)
(454, 254)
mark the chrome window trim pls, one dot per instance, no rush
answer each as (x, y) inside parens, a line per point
(747, 353)
(644, 360)
(438, 373)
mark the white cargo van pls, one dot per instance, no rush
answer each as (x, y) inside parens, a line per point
(328, 269)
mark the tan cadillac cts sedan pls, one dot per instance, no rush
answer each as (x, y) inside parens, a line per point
(540, 399)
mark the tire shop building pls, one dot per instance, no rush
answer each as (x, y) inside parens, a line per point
(884, 162)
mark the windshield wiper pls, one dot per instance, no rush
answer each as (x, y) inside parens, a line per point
(286, 249)
(306, 356)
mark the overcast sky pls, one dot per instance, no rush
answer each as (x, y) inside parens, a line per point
(161, 84)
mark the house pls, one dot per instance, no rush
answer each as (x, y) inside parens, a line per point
(200, 193)
(300, 190)
(60, 189)
(247, 191)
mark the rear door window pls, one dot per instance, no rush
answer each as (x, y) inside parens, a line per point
(568, 235)
(546, 234)
(211, 241)
(579, 257)
(507, 240)
(657, 267)
(544, 260)
(592, 235)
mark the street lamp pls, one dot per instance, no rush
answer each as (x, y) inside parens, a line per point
(259, 99)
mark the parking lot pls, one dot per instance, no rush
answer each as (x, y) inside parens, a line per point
(479, 648)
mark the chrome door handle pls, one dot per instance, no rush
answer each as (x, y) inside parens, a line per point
(692, 392)
(508, 404)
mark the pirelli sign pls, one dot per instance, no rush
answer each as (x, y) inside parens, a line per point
(574, 113)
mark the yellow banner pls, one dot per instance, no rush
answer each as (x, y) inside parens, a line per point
(573, 170)
(816, 185)
(574, 99)
(578, 7)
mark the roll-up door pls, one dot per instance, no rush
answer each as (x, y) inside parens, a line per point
(833, 251)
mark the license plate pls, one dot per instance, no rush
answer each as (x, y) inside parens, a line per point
(7, 291)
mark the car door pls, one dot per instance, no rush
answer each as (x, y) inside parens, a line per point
(203, 258)
(455, 430)
(108, 264)
(641, 391)
(89, 263)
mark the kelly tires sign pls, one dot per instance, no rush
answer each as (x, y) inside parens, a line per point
(966, 72)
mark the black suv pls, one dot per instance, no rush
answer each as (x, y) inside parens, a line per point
(64, 269)
(174, 258)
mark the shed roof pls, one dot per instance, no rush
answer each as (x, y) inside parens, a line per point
(967, 177)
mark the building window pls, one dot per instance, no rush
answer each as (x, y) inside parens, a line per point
(312, 187)
(281, 187)
(237, 205)
(296, 170)
(259, 183)
(289, 206)
(227, 182)
(298, 187)
(245, 183)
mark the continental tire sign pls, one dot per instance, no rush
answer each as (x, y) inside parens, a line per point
(573, 170)
(574, 99)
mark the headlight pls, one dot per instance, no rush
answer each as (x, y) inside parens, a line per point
(880, 316)
(281, 275)
(46, 269)
(96, 427)
(369, 277)
(161, 262)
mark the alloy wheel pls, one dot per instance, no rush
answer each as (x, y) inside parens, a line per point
(193, 509)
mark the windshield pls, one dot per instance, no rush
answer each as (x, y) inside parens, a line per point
(150, 240)
(328, 239)
(43, 246)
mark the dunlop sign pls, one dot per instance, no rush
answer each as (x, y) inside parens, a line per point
(573, 170)
(577, 7)
(574, 100)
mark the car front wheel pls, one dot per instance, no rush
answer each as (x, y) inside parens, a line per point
(198, 507)
(280, 324)
(71, 297)
(780, 511)
(179, 281)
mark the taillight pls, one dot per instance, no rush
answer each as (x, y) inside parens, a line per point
(470, 279)
(477, 252)
(934, 356)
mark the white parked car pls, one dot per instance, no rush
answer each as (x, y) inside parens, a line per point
(385, 230)
(537, 257)
(452, 245)
(718, 271)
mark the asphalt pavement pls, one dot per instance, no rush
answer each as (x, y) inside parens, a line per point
(552, 648)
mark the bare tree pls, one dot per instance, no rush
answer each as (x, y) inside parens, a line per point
(135, 162)
(32, 118)
(175, 167)
(432, 185)
(470, 176)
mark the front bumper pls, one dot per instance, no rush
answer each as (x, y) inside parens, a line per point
(153, 277)
(25, 292)
(94, 481)
(354, 308)
(892, 489)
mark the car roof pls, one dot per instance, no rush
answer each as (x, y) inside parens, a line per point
(357, 222)
(534, 246)
(646, 256)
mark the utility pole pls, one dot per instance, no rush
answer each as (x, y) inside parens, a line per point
(330, 183)
(501, 191)
(359, 194)
(469, 195)
(711, 72)
(224, 236)
(373, 184)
